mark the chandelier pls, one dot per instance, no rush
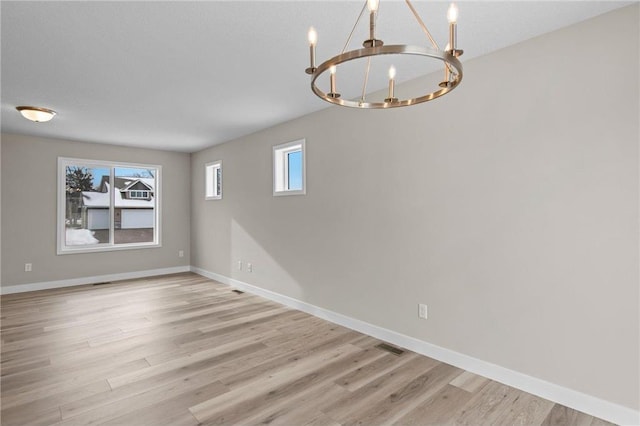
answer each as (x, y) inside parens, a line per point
(373, 47)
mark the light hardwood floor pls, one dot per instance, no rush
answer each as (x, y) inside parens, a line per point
(185, 350)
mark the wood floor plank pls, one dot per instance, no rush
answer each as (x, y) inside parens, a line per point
(185, 350)
(526, 409)
(169, 413)
(213, 353)
(302, 408)
(469, 381)
(365, 374)
(248, 336)
(52, 402)
(375, 391)
(104, 412)
(231, 407)
(196, 374)
(487, 405)
(283, 357)
(405, 398)
(565, 416)
(21, 366)
(439, 409)
(36, 352)
(32, 418)
(314, 381)
(43, 388)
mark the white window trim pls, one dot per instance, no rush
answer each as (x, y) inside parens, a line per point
(214, 165)
(281, 169)
(62, 248)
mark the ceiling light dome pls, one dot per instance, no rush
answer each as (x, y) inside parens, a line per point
(37, 114)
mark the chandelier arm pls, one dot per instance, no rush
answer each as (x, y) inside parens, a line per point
(422, 24)
(366, 80)
(354, 27)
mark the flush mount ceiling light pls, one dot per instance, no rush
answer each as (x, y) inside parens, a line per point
(373, 47)
(37, 114)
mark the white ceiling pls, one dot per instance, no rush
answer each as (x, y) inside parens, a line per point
(186, 75)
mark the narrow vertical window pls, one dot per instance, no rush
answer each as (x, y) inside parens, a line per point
(289, 169)
(213, 180)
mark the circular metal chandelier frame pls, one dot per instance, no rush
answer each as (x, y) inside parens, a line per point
(397, 49)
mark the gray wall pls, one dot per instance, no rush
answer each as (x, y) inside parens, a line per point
(0, 213)
(510, 207)
(29, 170)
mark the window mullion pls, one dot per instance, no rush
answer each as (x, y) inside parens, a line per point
(112, 210)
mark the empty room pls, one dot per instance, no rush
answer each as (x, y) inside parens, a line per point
(372, 212)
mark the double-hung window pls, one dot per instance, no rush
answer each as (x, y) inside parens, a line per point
(289, 175)
(107, 206)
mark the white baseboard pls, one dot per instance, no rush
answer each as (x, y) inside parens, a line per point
(577, 400)
(46, 285)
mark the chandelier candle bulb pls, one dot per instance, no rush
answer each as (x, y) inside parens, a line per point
(452, 17)
(332, 79)
(373, 7)
(313, 39)
(392, 83)
(332, 72)
(392, 76)
(313, 36)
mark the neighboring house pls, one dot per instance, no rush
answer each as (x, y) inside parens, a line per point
(134, 204)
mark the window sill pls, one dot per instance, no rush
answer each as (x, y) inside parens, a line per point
(102, 248)
(285, 193)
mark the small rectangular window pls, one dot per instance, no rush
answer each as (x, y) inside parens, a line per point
(289, 176)
(213, 180)
(139, 194)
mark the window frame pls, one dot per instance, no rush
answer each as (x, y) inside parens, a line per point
(63, 249)
(281, 168)
(214, 165)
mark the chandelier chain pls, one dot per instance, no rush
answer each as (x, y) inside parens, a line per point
(366, 80)
(354, 28)
(422, 25)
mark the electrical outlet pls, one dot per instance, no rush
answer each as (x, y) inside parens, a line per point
(28, 267)
(180, 253)
(249, 267)
(422, 311)
(239, 265)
